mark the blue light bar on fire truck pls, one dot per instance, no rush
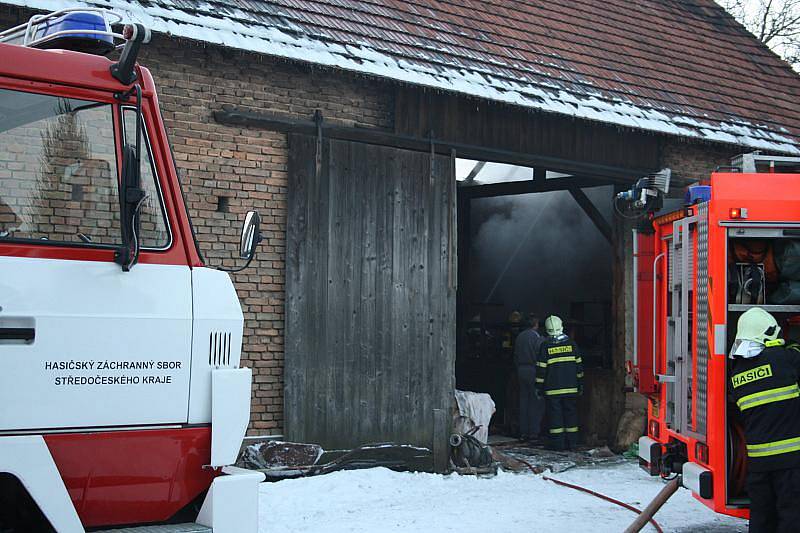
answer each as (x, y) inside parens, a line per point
(84, 30)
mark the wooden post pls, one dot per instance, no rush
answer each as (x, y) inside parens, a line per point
(621, 286)
(441, 446)
(463, 213)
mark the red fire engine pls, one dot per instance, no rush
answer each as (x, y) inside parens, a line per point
(732, 246)
(123, 401)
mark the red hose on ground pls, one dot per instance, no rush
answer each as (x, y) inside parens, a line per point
(593, 493)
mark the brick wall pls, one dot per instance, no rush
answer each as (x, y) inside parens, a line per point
(248, 167)
(695, 161)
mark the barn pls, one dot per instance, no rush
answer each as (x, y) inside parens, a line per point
(424, 168)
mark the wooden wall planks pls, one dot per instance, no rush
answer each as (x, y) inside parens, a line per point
(370, 304)
(457, 119)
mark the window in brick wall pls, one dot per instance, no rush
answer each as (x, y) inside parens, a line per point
(58, 170)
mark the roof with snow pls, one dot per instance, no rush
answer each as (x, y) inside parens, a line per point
(680, 67)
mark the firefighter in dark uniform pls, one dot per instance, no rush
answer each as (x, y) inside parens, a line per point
(559, 379)
(764, 384)
(526, 350)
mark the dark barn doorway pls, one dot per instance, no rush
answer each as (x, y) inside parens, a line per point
(530, 255)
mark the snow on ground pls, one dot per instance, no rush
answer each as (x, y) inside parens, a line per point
(379, 500)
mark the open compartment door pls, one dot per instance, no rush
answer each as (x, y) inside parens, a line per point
(644, 380)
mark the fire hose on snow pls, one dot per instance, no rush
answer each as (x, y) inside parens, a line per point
(652, 508)
(644, 516)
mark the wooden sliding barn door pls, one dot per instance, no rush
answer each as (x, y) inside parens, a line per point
(370, 295)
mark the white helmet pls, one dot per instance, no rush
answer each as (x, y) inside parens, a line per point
(754, 330)
(553, 326)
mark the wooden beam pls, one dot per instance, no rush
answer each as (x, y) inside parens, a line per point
(593, 213)
(529, 186)
(475, 171)
(233, 116)
(464, 216)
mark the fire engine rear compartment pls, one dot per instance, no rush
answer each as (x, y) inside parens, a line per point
(753, 254)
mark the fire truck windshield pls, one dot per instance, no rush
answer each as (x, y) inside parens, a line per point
(58, 174)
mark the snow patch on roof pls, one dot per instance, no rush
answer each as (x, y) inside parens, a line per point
(289, 42)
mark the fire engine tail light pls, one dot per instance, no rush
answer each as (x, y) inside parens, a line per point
(654, 429)
(737, 213)
(701, 452)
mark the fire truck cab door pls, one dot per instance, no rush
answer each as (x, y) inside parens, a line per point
(95, 346)
(82, 343)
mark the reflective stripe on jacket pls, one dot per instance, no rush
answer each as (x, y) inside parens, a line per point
(765, 389)
(559, 367)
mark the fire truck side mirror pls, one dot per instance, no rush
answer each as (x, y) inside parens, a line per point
(251, 235)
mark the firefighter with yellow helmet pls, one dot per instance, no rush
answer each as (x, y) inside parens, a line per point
(764, 384)
(559, 379)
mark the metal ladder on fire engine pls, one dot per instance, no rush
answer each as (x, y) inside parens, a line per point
(687, 337)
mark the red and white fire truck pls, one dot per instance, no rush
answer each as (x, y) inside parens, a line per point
(735, 244)
(122, 399)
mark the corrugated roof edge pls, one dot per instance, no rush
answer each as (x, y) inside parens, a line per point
(364, 60)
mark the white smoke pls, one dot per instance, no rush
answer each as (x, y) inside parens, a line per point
(564, 259)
